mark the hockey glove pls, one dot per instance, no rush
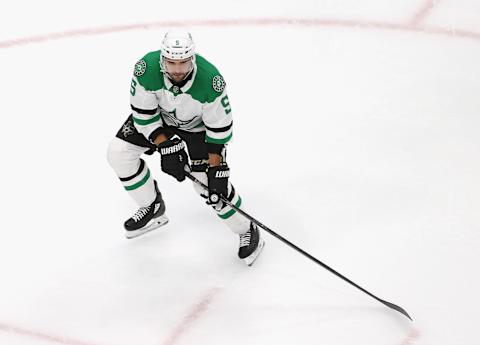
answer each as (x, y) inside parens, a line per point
(217, 183)
(174, 158)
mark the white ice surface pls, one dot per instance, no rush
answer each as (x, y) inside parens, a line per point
(359, 145)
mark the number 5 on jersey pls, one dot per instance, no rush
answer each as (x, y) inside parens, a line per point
(226, 105)
(132, 87)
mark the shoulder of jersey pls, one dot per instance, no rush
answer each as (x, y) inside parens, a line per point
(147, 71)
(208, 79)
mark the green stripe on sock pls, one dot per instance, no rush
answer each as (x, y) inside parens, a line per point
(139, 183)
(232, 211)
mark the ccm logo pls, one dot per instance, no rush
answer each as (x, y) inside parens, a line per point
(222, 174)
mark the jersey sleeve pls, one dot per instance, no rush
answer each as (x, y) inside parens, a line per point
(217, 117)
(145, 110)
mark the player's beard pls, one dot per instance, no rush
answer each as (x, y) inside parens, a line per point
(178, 77)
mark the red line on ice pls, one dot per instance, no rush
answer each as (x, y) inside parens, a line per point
(423, 12)
(299, 22)
(40, 336)
(194, 314)
(411, 338)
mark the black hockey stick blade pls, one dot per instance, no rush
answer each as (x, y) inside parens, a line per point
(397, 308)
(300, 250)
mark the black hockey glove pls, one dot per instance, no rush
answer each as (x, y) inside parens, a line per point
(217, 183)
(152, 150)
(174, 158)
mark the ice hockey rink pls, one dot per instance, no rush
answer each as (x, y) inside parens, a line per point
(356, 137)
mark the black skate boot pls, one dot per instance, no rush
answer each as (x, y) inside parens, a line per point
(147, 218)
(251, 245)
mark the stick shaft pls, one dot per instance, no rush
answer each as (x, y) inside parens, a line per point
(300, 250)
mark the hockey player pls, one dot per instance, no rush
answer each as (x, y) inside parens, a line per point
(179, 102)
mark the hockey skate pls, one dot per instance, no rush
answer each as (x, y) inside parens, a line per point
(251, 245)
(147, 218)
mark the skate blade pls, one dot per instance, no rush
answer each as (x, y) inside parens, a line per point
(152, 225)
(249, 260)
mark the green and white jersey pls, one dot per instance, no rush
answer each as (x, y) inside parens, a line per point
(200, 105)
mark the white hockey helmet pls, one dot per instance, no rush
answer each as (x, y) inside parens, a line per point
(177, 45)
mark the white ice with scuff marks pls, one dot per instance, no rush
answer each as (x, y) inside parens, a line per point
(359, 145)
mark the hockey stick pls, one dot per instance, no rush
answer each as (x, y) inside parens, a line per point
(301, 251)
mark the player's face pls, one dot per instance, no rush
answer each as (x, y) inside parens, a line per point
(177, 69)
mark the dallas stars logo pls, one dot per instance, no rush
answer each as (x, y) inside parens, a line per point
(170, 118)
(128, 129)
(218, 83)
(140, 68)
